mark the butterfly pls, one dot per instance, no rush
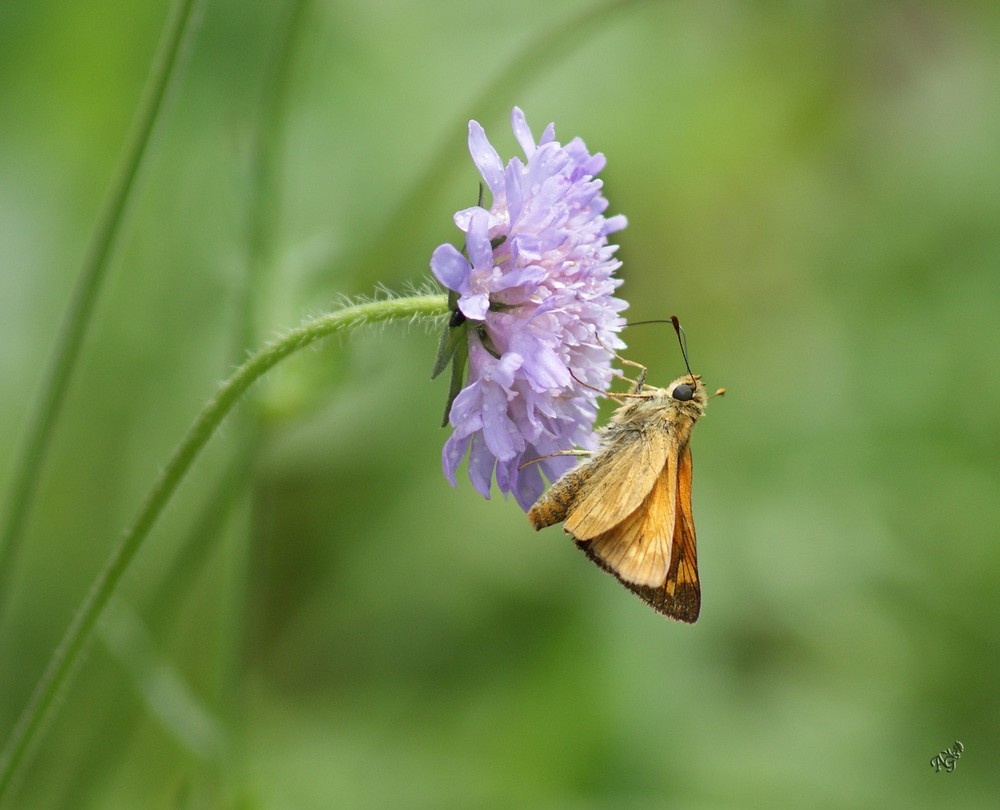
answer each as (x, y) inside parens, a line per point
(628, 506)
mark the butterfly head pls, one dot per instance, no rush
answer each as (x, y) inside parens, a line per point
(686, 394)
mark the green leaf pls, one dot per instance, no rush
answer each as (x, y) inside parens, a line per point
(452, 336)
(461, 357)
(453, 347)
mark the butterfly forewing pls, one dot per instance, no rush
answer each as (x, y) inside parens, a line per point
(590, 498)
(603, 501)
(637, 550)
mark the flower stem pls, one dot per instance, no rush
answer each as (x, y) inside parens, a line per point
(215, 411)
(43, 416)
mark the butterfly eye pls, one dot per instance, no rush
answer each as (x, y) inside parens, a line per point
(682, 392)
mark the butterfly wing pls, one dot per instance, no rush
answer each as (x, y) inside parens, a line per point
(624, 476)
(637, 549)
(598, 494)
(679, 594)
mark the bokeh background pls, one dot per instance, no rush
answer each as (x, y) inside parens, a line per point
(320, 620)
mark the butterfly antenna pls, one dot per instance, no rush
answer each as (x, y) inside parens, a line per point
(683, 341)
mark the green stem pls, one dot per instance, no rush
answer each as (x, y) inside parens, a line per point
(38, 433)
(69, 649)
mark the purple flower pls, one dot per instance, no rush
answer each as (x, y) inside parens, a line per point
(537, 310)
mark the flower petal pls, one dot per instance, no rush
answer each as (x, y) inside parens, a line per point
(613, 224)
(478, 240)
(499, 431)
(519, 277)
(547, 371)
(466, 411)
(451, 268)
(527, 486)
(522, 132)
(452, 454)
(481, 464)
(474, 306)
(486, 158)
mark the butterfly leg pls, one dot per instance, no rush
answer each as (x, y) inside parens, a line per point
(553, 455)
(639, 381)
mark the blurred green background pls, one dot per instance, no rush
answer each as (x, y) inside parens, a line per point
(320, 620)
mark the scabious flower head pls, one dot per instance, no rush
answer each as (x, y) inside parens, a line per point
(534, 296)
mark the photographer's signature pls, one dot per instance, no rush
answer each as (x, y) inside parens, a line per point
(948, 759)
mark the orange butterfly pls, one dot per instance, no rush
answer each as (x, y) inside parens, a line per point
(628, 507)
